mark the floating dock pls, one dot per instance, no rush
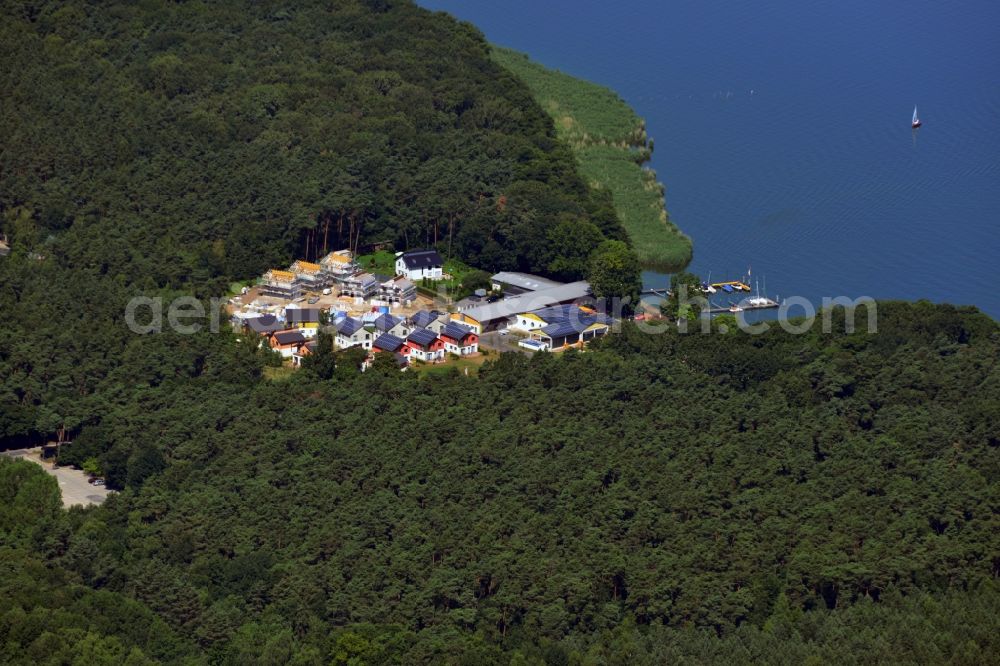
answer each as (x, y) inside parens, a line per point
(758, 303)
(727, 287)
(734, 285)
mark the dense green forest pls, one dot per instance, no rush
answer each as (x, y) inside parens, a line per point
(169, 148)
(659, 498)
(611, 145)
(718, 498)
(173, 143)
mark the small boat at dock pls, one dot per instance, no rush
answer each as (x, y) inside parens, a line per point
(762, 303)
(731, 286)
(915, 123)
(755, 302)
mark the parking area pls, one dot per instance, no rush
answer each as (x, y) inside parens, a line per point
(502, 342)
(74, 484)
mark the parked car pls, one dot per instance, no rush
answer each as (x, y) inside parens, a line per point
(314, 299)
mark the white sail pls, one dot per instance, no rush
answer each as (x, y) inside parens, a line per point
(914, 114)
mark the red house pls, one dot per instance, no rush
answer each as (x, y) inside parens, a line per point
(387, 342)
(459, 339)
(424, 345)
(287, 342)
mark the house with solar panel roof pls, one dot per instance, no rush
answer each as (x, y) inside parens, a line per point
(459, 340)
(287, 343)
(424, 345)
(352, 333)
(566, 326)
(387, 323)
(431, 320)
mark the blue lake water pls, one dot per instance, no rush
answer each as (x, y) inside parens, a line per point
(782, 131)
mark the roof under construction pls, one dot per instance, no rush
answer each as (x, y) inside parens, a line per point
(277, 275)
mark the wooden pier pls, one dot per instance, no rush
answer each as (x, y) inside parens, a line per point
(735, 285)
(758, 303)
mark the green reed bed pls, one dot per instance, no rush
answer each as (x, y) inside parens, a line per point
(611, 145)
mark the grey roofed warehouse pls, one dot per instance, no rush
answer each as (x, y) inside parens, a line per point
(518, 283)
(492, 315)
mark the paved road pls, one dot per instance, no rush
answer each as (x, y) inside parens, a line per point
(73, 483)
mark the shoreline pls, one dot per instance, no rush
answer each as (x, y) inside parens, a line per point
(610, 143)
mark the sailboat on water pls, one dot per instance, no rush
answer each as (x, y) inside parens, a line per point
(916, 120)
(759, 301)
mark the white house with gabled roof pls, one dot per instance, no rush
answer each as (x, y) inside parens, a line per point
(420, 264)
